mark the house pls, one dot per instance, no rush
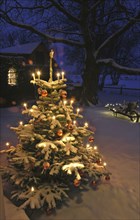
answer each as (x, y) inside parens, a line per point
(17, 65)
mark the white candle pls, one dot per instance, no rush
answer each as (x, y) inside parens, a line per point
(21, 123)
(32, 189)
(38, 73)
(86, 125)
(7, 144)
(71, 102)
(74, 122)
(25, 105)
(58, 76)
(95, 147)
(63, 73)
(65, 102)
(33, 75)
(78, 110)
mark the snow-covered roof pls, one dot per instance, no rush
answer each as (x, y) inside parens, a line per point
(20, 49)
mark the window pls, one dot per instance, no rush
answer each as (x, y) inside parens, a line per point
(12, 77)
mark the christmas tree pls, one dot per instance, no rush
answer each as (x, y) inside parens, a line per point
(54, 152)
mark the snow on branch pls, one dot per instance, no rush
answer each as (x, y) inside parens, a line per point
(117, 34)
(110, 62)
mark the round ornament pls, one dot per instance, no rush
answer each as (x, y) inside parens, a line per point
(60, 133)
(76, 182)
(63, 94)
(91, 139)
(46, 165)
(44, 93)
(69, 125)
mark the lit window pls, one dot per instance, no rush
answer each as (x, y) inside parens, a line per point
(12, 77)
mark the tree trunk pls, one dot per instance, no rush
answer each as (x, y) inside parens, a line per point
(90, 76)
(90, 81)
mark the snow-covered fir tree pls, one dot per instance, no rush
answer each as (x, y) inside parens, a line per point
(54, 152)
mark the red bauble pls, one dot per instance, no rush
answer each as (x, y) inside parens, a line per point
(60, 133)
(63, 94)
(91, 139)
(107, 177)
(46, 165)
(76, 182)
(44, 93)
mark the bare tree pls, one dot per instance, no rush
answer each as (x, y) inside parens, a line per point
(94, 25)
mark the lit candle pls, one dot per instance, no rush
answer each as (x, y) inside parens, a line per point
(32, 189)
(7, 144)
(88, 145)
(78, 110)
(86, 125)
(71, 102)
(33, 75)
(21, 123)
(53, 117)
(95, 147)
(65, 102)
(38, 73)
(58, 76)
(63, 73)
(104, 164)
(25, 105)
(74, 122)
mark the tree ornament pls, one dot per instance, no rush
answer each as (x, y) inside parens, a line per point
(107, 177)
(44, 93)
(39, 90)
(91, 139)
(69, 125)
(60, 133)
(63, 94)
(46, 165)
(76, 182)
